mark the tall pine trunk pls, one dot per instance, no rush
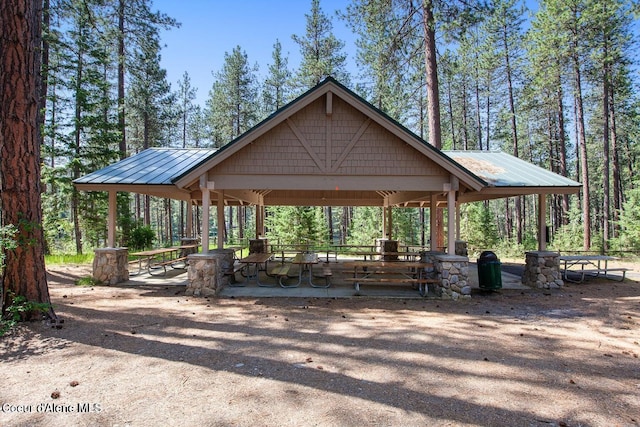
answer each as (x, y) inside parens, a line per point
(20, 141)
(562, 147)
(514, 132)
(433, 95)
(121, 117)
(617, 184)
(605, 159)
(584, 166)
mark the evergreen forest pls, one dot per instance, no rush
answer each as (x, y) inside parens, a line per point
(557, 86)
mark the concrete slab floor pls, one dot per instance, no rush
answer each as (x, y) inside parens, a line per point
(339, 288)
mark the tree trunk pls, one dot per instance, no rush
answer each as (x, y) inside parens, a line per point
(605, 160)
(20, 37)
(465, 124)
(478, 109)
(121, 93)
(77, 131)
(433, 95)
(582, 144)
(451, 117)
(617, 184)
(562, 148)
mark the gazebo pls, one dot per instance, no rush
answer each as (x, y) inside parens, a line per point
(328, 147)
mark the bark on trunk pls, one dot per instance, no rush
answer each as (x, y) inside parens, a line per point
(562, 147)
(121, 118)
(582, 144)
(20, 139)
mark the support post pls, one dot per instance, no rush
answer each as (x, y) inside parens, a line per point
(457, 221)
(451, 222)
(452, 227)
(206, 202)
(189, 230)
(433, 224)
(221, 228)
(113, 209)
(259, 220)
(542, 222)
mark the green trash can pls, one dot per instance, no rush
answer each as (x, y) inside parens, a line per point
(489, 271)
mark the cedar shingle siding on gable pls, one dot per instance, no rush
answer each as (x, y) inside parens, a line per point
(345, 143)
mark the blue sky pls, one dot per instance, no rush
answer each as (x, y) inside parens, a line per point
(212, 27)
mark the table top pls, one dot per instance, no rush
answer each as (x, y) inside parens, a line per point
(305, 258)
(256, 257)
(387, 264)
(587, 257)
(152, 252)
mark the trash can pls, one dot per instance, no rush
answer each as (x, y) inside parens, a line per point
(489, 271)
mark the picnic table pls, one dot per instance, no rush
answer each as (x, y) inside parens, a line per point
(390, 272)
(589, 265)
(251, 266)
(155, 259)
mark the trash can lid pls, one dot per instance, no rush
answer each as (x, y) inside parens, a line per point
(488, 256)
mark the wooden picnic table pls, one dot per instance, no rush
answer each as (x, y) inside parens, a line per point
(592, 265)
(251, 266)
(161, 257)
(390, 272)
(306, 261)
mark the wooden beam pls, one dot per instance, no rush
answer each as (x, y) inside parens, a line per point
(206, 202)
(433, 224)
(542, 222)
(220, 212)
(451, 222)
(112, 219)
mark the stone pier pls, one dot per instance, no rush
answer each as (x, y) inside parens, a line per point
(206, 272)
(111, 265)
(452, 271)
(258, 246)
(542, 270)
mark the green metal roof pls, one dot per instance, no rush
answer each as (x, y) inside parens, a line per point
(500, 169)
(154, 166)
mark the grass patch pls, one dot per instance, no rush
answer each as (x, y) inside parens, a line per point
(68, 259)
(88, 281)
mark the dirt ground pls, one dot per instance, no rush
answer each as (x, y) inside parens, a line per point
(149, 356)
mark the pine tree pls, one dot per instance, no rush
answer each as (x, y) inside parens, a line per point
(321, 51)
(232, 104)
(185, 96)
(150, 103)
(277, 86)
(379, 55)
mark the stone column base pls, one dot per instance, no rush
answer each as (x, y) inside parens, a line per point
(206, 272)
(453, 274)
(259, 246)
(111, 265)
(542, 270)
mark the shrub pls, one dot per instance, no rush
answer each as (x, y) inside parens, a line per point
(141, 237)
